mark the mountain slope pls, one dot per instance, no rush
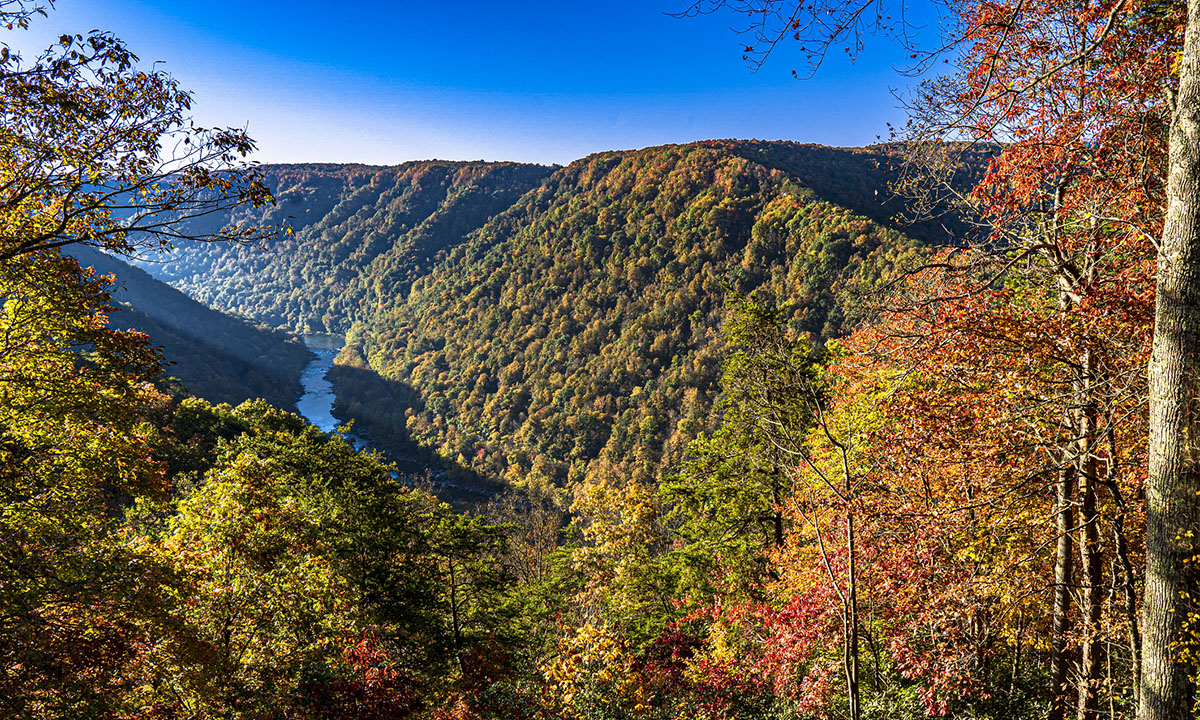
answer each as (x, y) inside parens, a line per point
(551, 325)
(218, 357)
(577, 334)
(360, 233)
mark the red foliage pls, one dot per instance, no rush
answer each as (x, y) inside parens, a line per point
(375, 690)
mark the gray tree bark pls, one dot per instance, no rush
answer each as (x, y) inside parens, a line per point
(1090, 553)
(1172, 502)
(1064, 492)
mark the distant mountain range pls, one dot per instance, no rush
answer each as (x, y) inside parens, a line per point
(545, 324)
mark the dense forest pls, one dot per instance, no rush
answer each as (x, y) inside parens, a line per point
(576, 336)
(355, 232)
(577, 326)
(761, 444)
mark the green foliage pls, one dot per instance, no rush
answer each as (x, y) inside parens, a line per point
(258, 594)
(73, 592)
(361, 235)
(287, 550)
(575, 335)
(82, 163)
(727, 500)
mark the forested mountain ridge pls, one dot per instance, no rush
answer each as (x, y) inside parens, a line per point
(219, 357)
(357, 231)
(868, 181)
(576, 322)
(577, 334)
(363, 233)
(533, 320)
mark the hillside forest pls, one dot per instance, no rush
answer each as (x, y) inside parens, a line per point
(755, 430)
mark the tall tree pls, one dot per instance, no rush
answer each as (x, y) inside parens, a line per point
(983, 30)
(92, 151)
(73, 593)
(1173, 484)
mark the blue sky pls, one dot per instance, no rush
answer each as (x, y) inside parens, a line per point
(549, 82)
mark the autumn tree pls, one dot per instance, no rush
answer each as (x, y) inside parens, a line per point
(1022, 66)
(94, 150)
(75, 596)
(777, 390)
(256, 594)
(1071, 196)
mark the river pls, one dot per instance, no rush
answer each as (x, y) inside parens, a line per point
(316, 403)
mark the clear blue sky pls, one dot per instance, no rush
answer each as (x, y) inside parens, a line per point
(383, 82)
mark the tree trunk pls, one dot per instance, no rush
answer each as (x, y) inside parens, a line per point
(1172, 502)
(1121, 541)
(851, 652)
(1090, 669)
(1064, 491)
(1090, 559)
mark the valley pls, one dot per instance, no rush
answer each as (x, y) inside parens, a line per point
(691, 429)
(221, 357)
(550, 326)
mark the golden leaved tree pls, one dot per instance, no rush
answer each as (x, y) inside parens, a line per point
(93, 151)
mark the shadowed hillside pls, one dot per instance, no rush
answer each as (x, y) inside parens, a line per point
(217, 356)
(360, 233)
